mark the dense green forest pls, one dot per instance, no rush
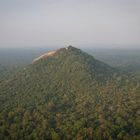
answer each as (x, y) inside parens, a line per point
(69, 96)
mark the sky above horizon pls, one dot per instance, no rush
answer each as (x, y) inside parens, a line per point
(34, 23)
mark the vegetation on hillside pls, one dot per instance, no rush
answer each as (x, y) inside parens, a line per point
(70, 96)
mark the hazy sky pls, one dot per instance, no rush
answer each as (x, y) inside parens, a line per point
(63, 22)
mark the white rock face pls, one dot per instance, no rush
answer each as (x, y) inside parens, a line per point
(49, 54)
(46, 55)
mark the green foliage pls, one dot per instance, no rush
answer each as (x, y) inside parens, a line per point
(70, 96)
